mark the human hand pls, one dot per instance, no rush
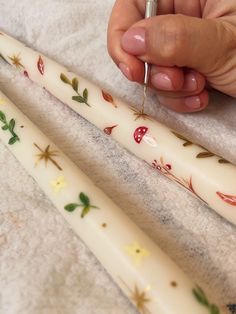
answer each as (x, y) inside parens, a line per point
(191, 44)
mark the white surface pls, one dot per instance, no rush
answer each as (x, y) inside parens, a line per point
(44, 267)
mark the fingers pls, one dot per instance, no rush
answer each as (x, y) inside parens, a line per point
(124, 15)
(177, 40)
(182, 90)
(190, 8)
(186, 104)
(176, 82)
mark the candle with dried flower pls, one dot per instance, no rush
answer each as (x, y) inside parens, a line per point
(152, 281)
(209, 177)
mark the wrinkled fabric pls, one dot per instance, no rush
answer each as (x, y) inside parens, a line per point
(44, 266)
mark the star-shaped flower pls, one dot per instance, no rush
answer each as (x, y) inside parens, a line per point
(137, 252)
(139, 297)
(140, 114)
(58, 184)
(16, 61)
(47, 155)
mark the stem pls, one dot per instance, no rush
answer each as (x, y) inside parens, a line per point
(85, 101)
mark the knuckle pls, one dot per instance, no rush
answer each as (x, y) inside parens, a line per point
(173, 34)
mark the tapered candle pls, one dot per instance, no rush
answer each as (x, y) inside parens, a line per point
(209, 177)
(146, 275)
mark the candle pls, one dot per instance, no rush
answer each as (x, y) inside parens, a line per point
(145, 274)
(209, 177)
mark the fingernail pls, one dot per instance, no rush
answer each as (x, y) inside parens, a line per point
(193, 102)
(126, 71)
(162, 81)
(133, 41)
(190, 83)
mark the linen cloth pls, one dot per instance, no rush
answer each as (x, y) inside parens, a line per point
(44, 267)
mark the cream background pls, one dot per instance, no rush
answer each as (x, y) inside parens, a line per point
(44, 267)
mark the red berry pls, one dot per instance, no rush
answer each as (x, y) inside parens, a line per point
(139, 134)
(168, 167)
(26, 74)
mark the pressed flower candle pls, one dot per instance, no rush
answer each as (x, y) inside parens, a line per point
(209, 177)
(148, 277)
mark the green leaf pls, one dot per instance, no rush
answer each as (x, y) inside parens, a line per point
(85, 211)
(214, 309)
(65, 79)
(13, 140)
(5, 127)
(71, 207)
(75, 84)
(12, 125)
(79, 99)
(2, 117)
(200, 296)
(85, 94)
(84, 199)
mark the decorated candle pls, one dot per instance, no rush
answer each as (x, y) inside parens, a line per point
(209, 177)
(146, 275)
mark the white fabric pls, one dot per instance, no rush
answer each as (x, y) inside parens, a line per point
(44, 267)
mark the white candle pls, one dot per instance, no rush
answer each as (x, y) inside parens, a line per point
(146, 275)
(210, 178)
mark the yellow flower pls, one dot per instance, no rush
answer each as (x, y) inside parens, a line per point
(137, 252)
(2, 101)
(58, 184)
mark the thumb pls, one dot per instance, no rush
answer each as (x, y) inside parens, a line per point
(178, 40)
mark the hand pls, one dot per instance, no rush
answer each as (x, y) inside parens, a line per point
(191, 44)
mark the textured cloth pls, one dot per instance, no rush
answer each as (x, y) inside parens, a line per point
(44, 267)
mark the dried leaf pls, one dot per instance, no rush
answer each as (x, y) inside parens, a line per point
(85, 211)
(2, 117)
(5, 127)
(107, 97)
(214, 309)
(12, 125)
(79, 99)
(229, 199)
(84, 199)
(223, 161)
(75, 84)
(181, 137)
(65, 79)
(85, 94)
(13, 140)
(200, 296)
(3, 58)
(187, 144)
(40, 65)
(205, 155)
(71, 207)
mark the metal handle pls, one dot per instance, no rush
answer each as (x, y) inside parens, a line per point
(151, 8)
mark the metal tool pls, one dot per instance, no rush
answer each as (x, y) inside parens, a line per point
(151, 10)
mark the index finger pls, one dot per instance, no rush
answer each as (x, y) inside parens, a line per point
(124, 15)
